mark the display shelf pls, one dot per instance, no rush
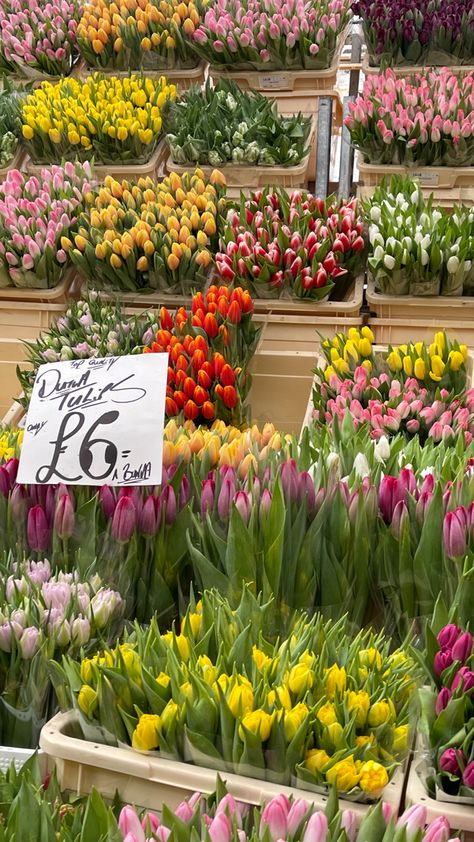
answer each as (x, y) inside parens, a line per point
(129, 172)
(183, 78)
(450, 185)
(402, 70)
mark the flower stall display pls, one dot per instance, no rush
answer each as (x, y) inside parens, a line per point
(150, 235)
(10, 126)
(432, 33)
(420, 120)
(116, 121)
(38, 39)
(414, 248)
(319, 705)
(35, 214)
(294, 35)
(291, 244)
(42, 616)
(138, 35)
(223, 125)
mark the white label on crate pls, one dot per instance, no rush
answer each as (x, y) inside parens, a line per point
(426, 177)
(96, 422)
(274, 81)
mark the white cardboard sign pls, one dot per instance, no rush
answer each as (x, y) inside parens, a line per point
(96, 422)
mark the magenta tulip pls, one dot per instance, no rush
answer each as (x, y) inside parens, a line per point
(38, 530)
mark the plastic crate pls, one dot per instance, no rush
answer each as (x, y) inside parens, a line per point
(247, 178)
(148, 781)
(401, 318)
(15, 163)
(182, 78)
(14, 415)
(410, 69)
(67, 288)
(450, 185)
(348, 308)
(129, 172)
(460, 815)
(17, 756)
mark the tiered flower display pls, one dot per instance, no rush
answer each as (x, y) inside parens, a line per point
(115, 120)
(150, 235)
(35, 214)
(138, 34)
(448, 710)
(300, 707)
(435, 33)
(223, 124)
(423, 120)
(416, 249)
(294, 35)
(279, 244)
(38, 39)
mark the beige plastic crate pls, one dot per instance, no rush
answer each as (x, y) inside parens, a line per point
(15, 163)
(450, 185)
(348, 308)
(410, 69)
(148, 781)
(67, 288)
(183, 79)
(248, 178)
(459, 815)
(14, 415)
(129, 172)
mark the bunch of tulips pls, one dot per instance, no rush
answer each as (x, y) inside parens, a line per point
(294, 244)
(208, 349)
(416, 249)
(319, 704)
(138, 34)
(10, 123)
(420, 120)
(433, 33)
(150, 235)
(112, 119)
(292, 34)
(448, 706)
(35, 214)
(37, 38)
(43, 615)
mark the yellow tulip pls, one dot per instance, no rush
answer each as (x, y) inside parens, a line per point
(327, 714)
(370, 657)
(373, 777)
(437, 366)
(259, 723)
(335, 680)
(293, 720)
(169, 714)
(367, 334)
(163, 680)
(400, 739)
(456, 360)
(365, 347)
(259, 658)
(316, 759)
(394, 361)
(408, 366)
(381, 712)
(146, 734)
(420, 369)
(440, 340)
(359, 704)
(343, 775)
(300, 679)
(181, 642)
(240, 700)
(87, 700)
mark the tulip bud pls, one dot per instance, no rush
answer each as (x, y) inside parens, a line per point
(124, 520)
(220, 829)
(462, 648)
(148, 518)
(11, 467)
(4, 482)
(80, 631)
(289, 480)
(64, 518)
(29, 642)
(107, 501)
(391, 491)
(438, 831)
(307, 492)
(349, 823)
(448, 635)
(468, 775)
(449, 761)
(265, 503)
(413, 819)
(242, 503)
(399, 517)
(298, 811)
(207, 496)
(37, 529)
(104, 604)
(442, 660)
(454, 536)
(152, 821)
(316, 829)
(225, 497)
(442, 700)
(464, 678)
(275, 816)
(129, 824)
(19, 503)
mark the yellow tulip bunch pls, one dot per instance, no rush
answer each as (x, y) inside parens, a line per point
(345, 353)
(111, 119)
(149, 235)
(10, 443)
(332, 718)
(431, 363)
(138, 33)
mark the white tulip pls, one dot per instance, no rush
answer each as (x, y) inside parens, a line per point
(389, 262)
(467, 265)
(391, 242)
(452, 265)
(379, 253)
(400, 198)
(425, 258)
(375, 213)
(426, 241)
(404, 260)
(407, 242)
(418, 237)
(404, 207)
(382, 449)
(361, 466)
(415, 197)
(437, 216)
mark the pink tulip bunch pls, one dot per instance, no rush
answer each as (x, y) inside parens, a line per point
(294, 245)
(288, 34)
(452, 672)
(388, 406)
(425, 119)
(38, 37)
(279, 820)
(34, 214)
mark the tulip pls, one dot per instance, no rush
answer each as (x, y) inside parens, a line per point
(242, 503)
(265, 503)
(148, 518)
(207, 496)
(275, 816)
(107, 501)
(391, 491)
(19, 504)
(349, 823)
(298, 811)
(468, 775)
(289, 481)
(448, 635)
(168, 502)
(316, 829)
(464, 678)
(29, 642)
(37, 529)
(129, 823)
(413, 819)
(225, 498)
(399, 518)
(442, 700)
(64, 518)
(442, 660)
(438, 831)
(454, 536)
(220, 829)
(124, 520)
(152, 821)
(462, 648)
(80, 631)
(449, 761)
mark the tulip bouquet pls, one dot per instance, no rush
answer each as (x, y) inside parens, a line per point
(318, 705)
(222, 817)
(434, 33)
(292, 35)
(10, 123)
(38, 39)
(420, 120)
(415, 249)
(448, 711)
(114, 120)
(222, 124)
(10, 443)
(150, 235)
(34, 215)
(209, 350)
(43, 616)
(277, 243)
(135, 35)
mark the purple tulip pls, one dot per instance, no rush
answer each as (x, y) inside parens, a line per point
(242, 504)
(442, 700)
(107, 501)
(37, 530)
(64, 518)
(12, 468)
(422, 505)
(448, 635)
(454, 536)
(207, 496)
(265, 502)
(147, 519)
(50, 503)
(4, 482)
(184, 492)
(316, 829)
(391, 491)
(224, 499)
(124, 521)
(468, 775)
(449, 761)
(464, 678)
(168, 503)
(442, 660)
(275, 817)
(289, 481)
(462, 648)
(29, 642)
(399, 517)
(408, 480)
(19, 502)
(307, 492)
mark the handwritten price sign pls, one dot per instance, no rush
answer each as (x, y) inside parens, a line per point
(96, 422)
